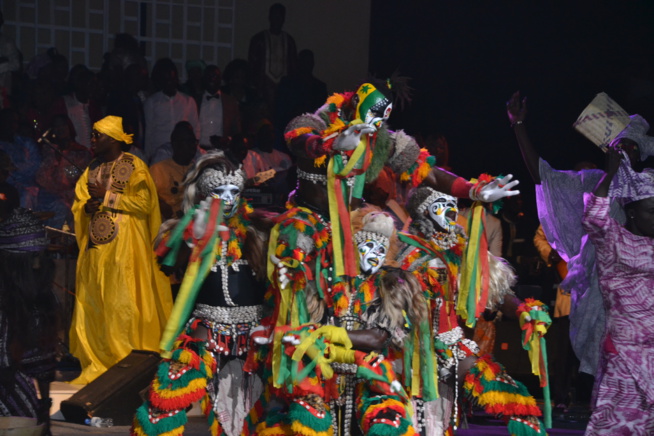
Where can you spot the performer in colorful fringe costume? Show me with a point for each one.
(313, 257)
(336, 353)
(207, 337)
(440, 255)
(346, 144)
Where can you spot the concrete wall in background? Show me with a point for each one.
(338, 32)
(215, 30)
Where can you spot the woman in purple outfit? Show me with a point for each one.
(624, 387)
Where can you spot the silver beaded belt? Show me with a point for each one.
(229, 315)
(319, 178)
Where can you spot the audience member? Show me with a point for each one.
(9, 197)
(194, 85)
(126, 102)
(238, 84)
(64, 161)
(81, 108)
(272, 55)
(168, 174)
(298, 93)
(166, 107)
(270, 158)
(122, 300)
(219, 113)
(25, 156)
(9, 59)
(28, 315)
(44, 104)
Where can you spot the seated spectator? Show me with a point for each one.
(271, 158)
(166, 107)
(64, 161)
(219, 113)
(24, 155)
(169, 174)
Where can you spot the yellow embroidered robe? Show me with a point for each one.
(122, 298)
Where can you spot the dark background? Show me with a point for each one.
(466, 58)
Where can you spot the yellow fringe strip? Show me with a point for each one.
(193, 386)
(299, 428)
(277, 430)
(503, 398)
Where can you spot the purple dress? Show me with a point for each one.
(625, 379)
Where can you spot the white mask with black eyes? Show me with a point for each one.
(443, 211)
(230, 195)
(372, 255)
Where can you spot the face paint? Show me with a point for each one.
(372, 255)
(374, 107)
(230, 195)
(443, 211)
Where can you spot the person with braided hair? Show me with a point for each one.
(218, 250)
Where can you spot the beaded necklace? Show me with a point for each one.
(228, 248)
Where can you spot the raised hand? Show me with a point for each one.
(498, 188)
(350, 137)
(614, 156)
(516, 109)
(201, 217)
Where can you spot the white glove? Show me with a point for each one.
(349, 139)
(282, 277)
(200, 218)
(498, 188)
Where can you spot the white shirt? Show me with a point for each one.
(78, 113)
(211, 118)
(161, 115)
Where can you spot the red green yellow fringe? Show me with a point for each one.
(488, 385)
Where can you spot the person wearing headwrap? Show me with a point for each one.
(28, 327)
(624, 387)
(559, 196)
(122, 300)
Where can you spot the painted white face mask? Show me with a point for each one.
(376, 119)
(443, 211)
(230, 195)
(372, 255)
